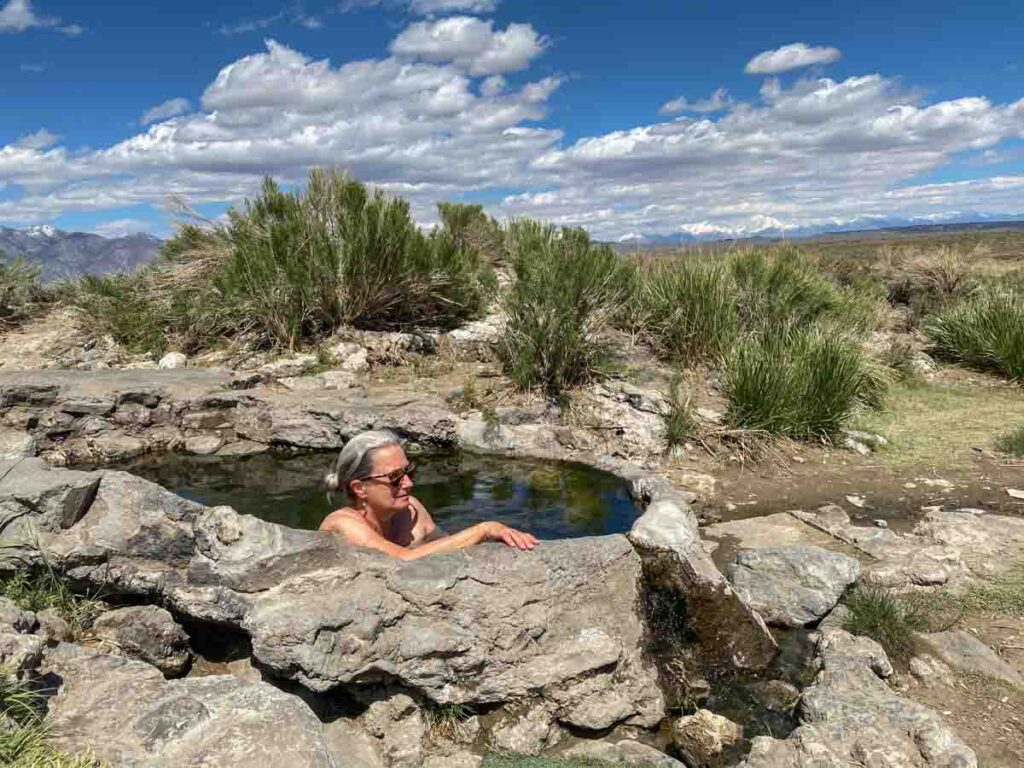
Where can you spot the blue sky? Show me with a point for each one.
(649, 117)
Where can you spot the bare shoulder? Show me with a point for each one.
(342, 520)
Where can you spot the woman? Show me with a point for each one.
(373, 469)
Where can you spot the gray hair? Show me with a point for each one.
(356, 458)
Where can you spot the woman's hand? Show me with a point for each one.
(500, 532)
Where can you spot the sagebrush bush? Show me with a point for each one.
(985, 332)
(800, 383)
(473, 230)
(290, 267)
(566, 291)
(20, 291)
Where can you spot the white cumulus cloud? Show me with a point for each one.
(716, 102)
(471, 43)
(41, 139)
(789, 57)
(122, 227)
(165, 110)
(19, 15)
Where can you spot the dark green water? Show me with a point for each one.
(552, 500)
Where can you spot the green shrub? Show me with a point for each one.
(985, 332)
(290, 267)
(889, 620)
(566, 291)
(20, 291)
(799, 383)
(473, 230)
(688, 309)
(900, 356)
(1012, 442)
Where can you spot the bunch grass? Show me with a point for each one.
(985, 332)
(888, 619)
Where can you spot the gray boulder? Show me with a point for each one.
(126, 714)
(147, 633)
(792, 586)
(13, 618)
(667, 538)
(966, 653)
(20, 652)
(850, 716)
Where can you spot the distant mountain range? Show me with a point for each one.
(62, 254)
(768, 229)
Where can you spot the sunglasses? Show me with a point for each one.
(395, 476)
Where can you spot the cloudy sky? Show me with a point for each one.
(660, 118)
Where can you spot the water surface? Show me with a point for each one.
(550, 499)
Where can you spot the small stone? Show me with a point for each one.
(928, 670)
(879, 523)
(857, 501)
(53, 628)
(856, 446)
(1015, 493)
(289, 366)
(203, 445)
(703, 738)
(172, 360)
(776, 695)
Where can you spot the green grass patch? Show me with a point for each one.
(680, 419)
(289, 268)
(934, 425)
(1011, 442)
(1002, 595)
(44, 590)
(985, 332)
(890, 620)
(25, 736)
(565, 293)
(803, 384)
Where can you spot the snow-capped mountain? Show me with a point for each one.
(62, 254)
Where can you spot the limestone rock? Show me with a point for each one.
(622, 752)
(172, 360)
(20, 652)
(351, 745)
(666, 535)
(53, 628)
(15, 444)
(127, 714)
(563, 623)
(850, 716)
(928, 670)
(400, 728)
(705, 739)
(524, 730)
(792, 586)
(147, 633)
(776, 695)
(13, 618)
(203, 445)
(966, 653)
(289, 366)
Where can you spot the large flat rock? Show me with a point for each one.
(125, 714)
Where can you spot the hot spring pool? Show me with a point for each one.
(552, 500)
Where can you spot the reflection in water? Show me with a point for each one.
(549, 499)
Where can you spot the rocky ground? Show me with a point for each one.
(435, 662)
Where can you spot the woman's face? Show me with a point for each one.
(379, 493)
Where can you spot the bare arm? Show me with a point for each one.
(362, 535)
